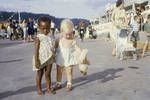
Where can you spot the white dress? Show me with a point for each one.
(120, 34)
(119, 23)
(66, 56)
(45, 51)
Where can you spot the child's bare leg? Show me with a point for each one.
(59, 73)
(144, 49)
(58, 77)
(39, 75)
(69, 71)
(48, 79)
(114, 51)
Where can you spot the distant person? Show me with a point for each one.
(15, 33)
(43, 55)
(91, 32)
(81, 30)
(53, 27)
(139, 12)
(119, 21)
(3, 30)
(145, 13)
(30, 27)
(24, 27)
(35, 28)
(90, 29)
(135, 25)
(147, 31)
(9, 31)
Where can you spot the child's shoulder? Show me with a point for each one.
(39, 35)
(66, 41)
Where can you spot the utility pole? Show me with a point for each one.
(19, 17)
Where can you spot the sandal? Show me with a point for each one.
(51, 91)
(69, 88)
(57, 87)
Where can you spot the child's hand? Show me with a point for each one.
(37, 64)
(83, 56)
(85, 61)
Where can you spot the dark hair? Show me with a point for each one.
(119, 2)
(142, 8)
(44, 19)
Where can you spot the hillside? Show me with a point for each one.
(4, 16)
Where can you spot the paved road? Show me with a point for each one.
(8, 43)
(107, 79)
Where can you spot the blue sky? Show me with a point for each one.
(58, 8)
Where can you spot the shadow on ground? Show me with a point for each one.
(10, 61)
(106, 75)
(133, 67)
(19, 91)
(3, 45)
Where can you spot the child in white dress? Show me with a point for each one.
(66, 54)
(43, 55)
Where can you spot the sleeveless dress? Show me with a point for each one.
(121, 34)
(119, 23)
(45, 51)
(66, 56)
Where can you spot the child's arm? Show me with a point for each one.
(36, 53)
(82, 54)
(56, 43)
(113, 18)
(77, 47)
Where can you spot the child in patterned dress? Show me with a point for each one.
(43, 55)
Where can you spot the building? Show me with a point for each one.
(133, 4)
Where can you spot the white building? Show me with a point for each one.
(102, 23)
(131, 4)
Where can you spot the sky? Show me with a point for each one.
(58, 8)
